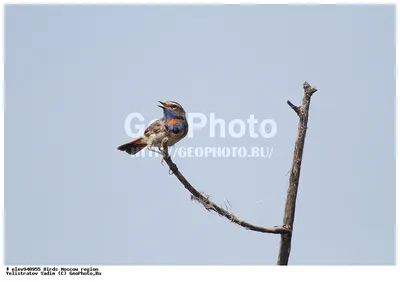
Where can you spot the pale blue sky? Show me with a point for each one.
(73, 74)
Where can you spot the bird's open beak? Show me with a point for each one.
(162, 105)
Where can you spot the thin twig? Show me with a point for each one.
(290, 207)
(295, 108)
(210, 206)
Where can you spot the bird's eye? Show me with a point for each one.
(173, 107)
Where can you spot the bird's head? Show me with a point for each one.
(172, 109)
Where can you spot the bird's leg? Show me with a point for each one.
(150, 149)
(164, 148)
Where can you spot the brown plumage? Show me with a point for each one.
(172, 126)
(133, 147)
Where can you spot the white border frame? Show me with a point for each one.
(216, 273)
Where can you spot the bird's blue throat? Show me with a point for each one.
(172, 122)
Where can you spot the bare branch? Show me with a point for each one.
(210, 206)
(290, 207)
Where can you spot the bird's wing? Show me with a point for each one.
(154, 128)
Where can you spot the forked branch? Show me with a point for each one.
(290, 207)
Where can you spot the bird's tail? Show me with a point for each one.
(133, 147)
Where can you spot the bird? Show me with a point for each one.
(172, 128)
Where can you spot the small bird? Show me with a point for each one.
(173, 126)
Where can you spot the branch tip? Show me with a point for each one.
(308, 89)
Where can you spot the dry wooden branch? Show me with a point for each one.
(288, 220)
(210, 206)
(290, 207)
